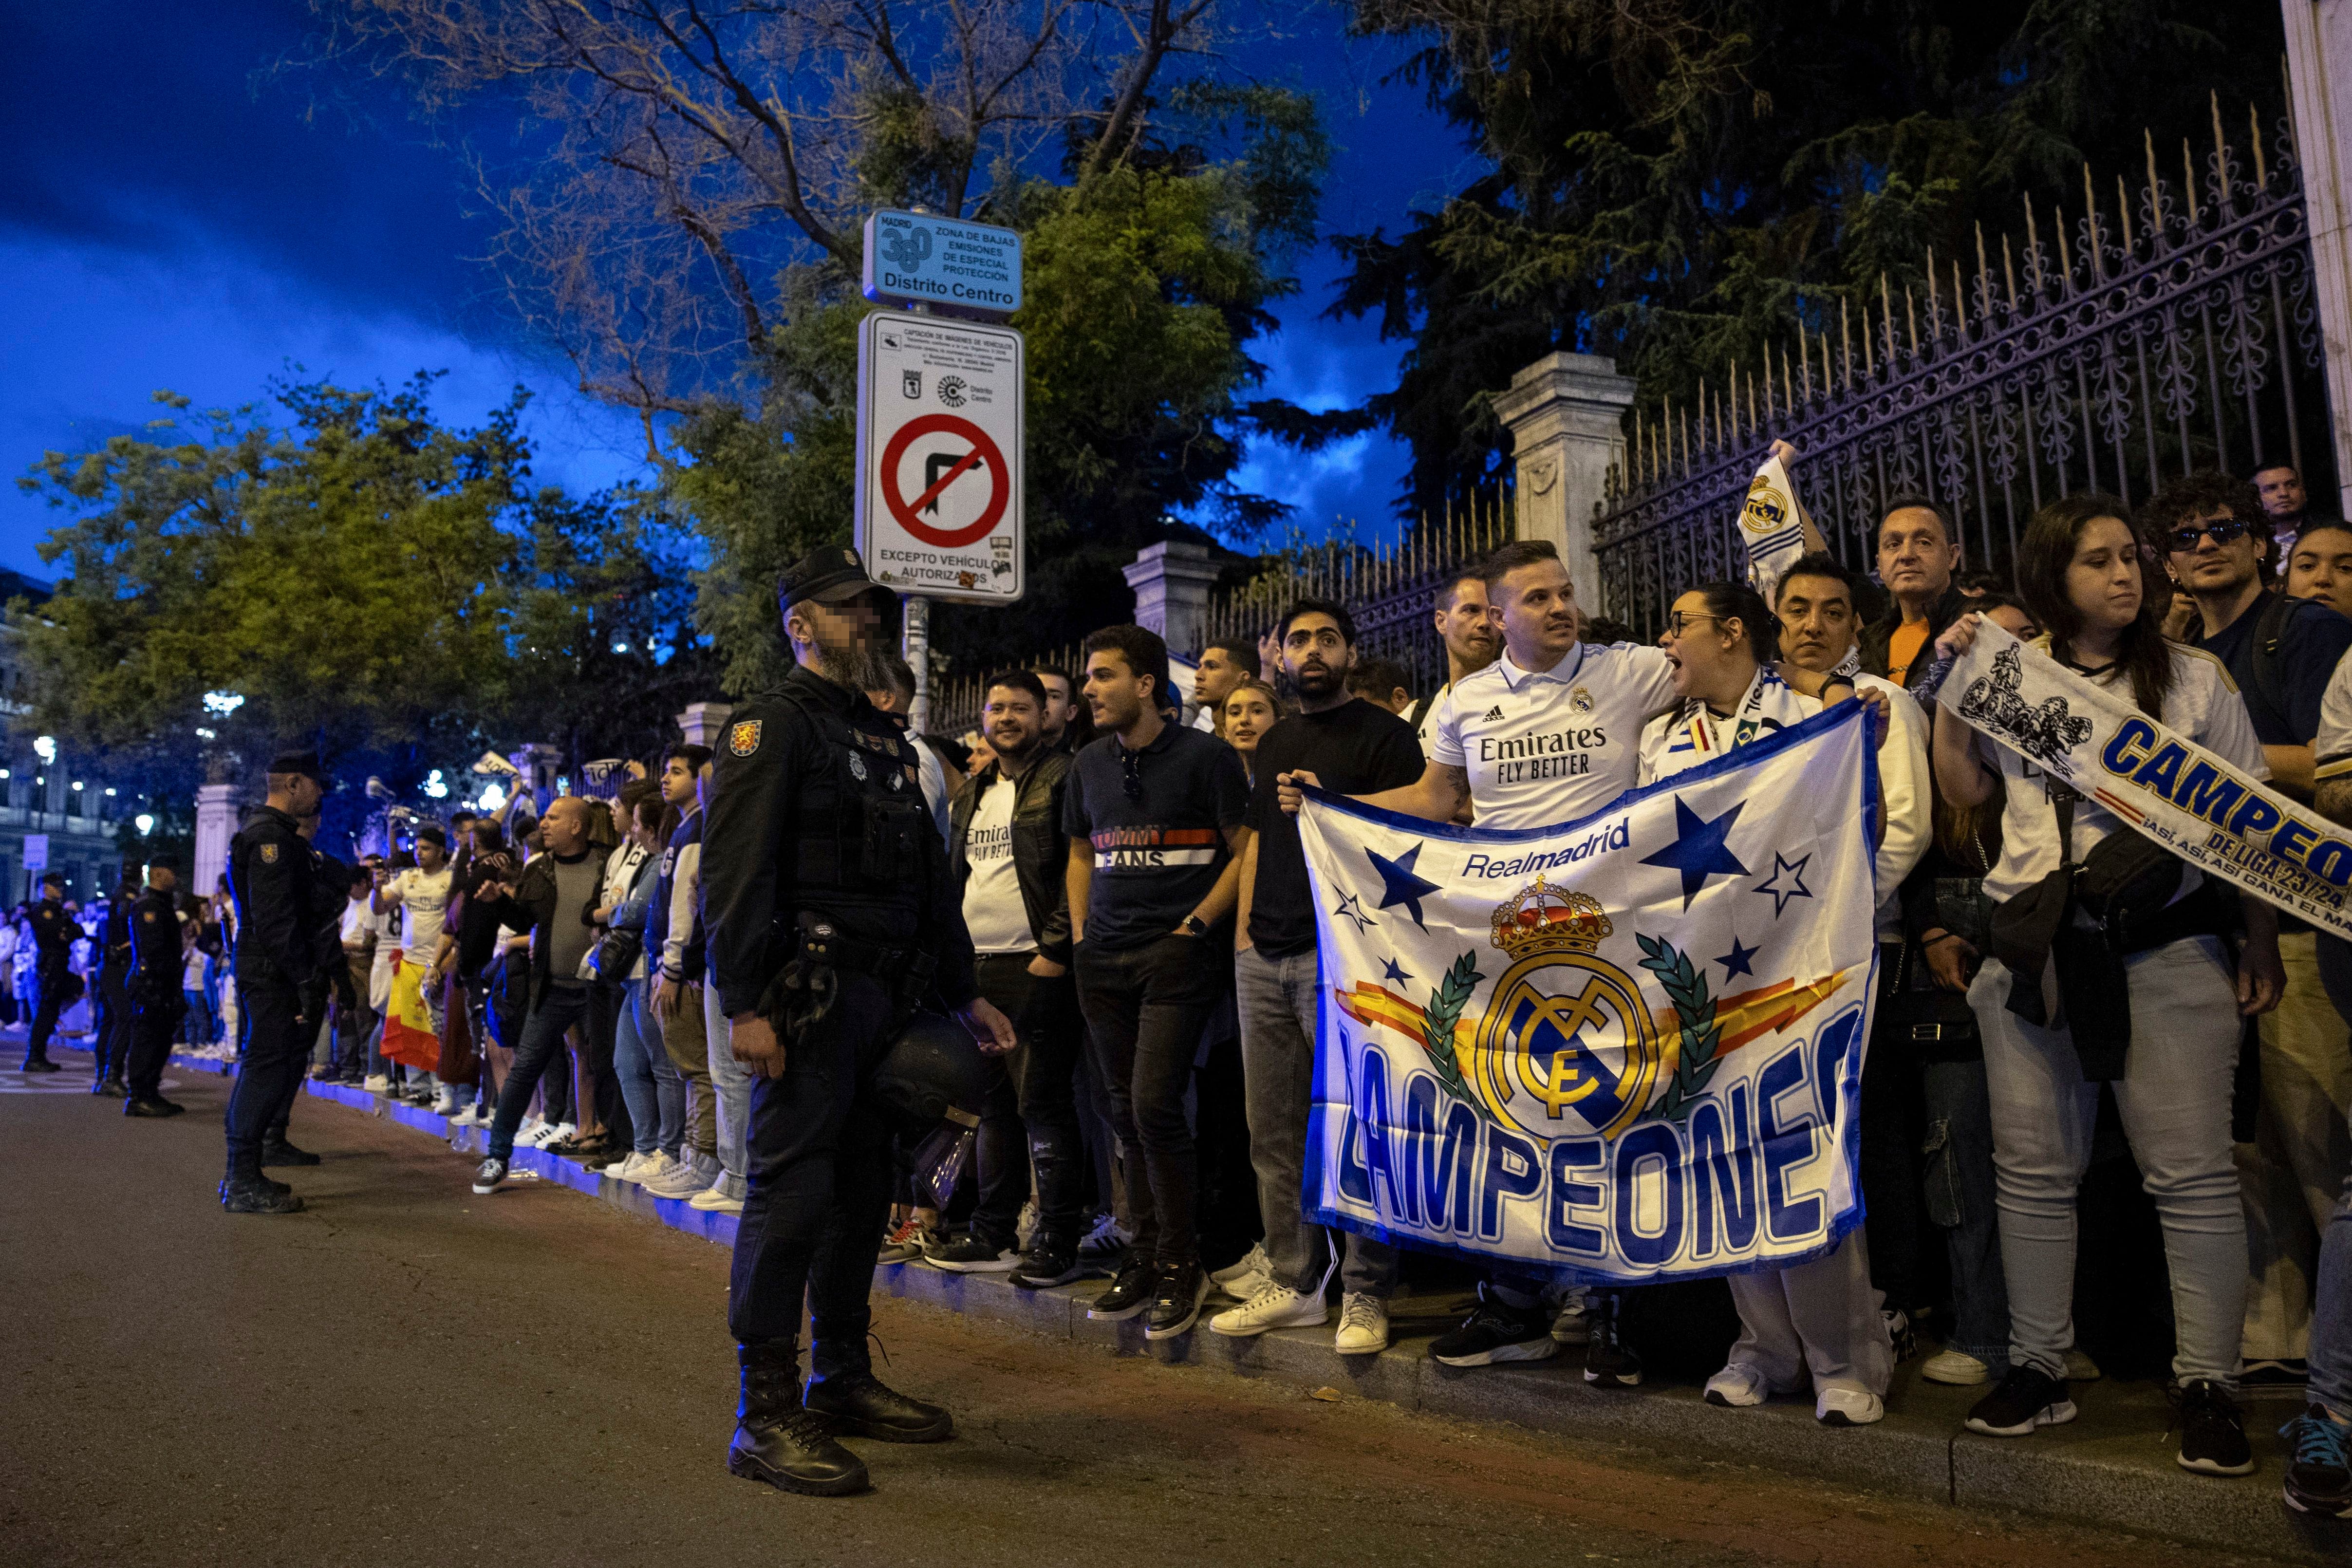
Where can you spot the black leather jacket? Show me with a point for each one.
(1041, 850)
(1878, 636)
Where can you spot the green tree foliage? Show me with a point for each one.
(389, 589)
(1674, 183)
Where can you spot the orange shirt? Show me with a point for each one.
(1904, 650)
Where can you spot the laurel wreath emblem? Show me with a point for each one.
(1685, 987)
(1445, 1007)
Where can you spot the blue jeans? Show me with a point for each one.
(1963, 1200)
(560, 1007)
(2331, 1313)
(650, 1085)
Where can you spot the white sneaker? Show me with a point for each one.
(627, 1168)
(1848, 1407)
(471, 1116)
(445, 1102)
(1958, 1368)
(677, 1181)
(1244, 1280)
(547, 1133)
(379, 1084)
(1271, 1306)
(712, 1201)
(1363, 1325)
(1737, 1386)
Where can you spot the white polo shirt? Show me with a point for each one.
(1547, 747)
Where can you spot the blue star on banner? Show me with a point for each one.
(1697, 851)
(1349, 909)
(1400, 884)
(1390, 972)
(1796, 888)
(1737, 961)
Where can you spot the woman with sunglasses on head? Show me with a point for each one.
(2088, 584)
(1820, 1317)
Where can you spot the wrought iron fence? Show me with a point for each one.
(2172, 331)
(956, 700)
(1389, 591)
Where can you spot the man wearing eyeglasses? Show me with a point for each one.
(2280, 651)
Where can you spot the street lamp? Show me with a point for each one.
(144, 822)
(45, 748)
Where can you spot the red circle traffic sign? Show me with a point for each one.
(999, 480)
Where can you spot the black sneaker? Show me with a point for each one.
(257, 1197)
(40, 1064)
(968, 1255)
(1128, 1294)
(2319, 1468)
(158, 1106)
(2212, 1433)
(489, 1176)
(1177, 1301)
(1496, 1330)
(1609, 1360)
(2028, 1398)
(1047, 1264)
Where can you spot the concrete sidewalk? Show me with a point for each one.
(2113, 1468)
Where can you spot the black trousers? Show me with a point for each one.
(111, 1022)
(151, 1025)
(276, 1047)
(1894, 1129)
(1031, 1117)
(54, 984)
(821, 1150)
(1146, 1008)
(600, 1025)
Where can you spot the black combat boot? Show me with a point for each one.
(843, 1389)
(251, 1191)
(278, 1151)
(776, 1439)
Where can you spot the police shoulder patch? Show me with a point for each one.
(743, 738)
(269, 854)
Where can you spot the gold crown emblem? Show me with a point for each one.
(1550, 919)
(1765, 507)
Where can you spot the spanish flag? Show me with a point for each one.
(409, 1036)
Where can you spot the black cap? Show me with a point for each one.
(304, 763)
(834, 576)
(53, 879)
(434, 831)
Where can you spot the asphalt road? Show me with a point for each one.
(409, 1374)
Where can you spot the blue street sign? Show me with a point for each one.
(938, 261)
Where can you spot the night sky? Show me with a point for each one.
(170, 218)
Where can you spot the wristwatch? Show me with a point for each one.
(1194, 925)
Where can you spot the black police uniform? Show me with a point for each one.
(157, 1002)
(110, 1003)
(54, 933)
(829, 910)
(328, 972)
(270, 876)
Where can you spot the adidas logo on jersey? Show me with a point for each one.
(1493, 712)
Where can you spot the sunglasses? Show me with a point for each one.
(2226, 531)
(1132, 762)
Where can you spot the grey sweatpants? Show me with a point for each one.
(1820, 1317)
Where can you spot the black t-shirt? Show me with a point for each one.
(1156, 856)
(1357, 748)
(2312, 640)
(477, 927)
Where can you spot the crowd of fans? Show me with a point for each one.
(1139, 901)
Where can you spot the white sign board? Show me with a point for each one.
(938, 457)
(37, 852)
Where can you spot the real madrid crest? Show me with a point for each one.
(1580, 699)
(1767, 509)
(1567, 1048)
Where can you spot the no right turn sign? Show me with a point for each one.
(938, 457)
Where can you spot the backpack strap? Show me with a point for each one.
(2268, 663)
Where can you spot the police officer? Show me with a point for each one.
(830, 914)
(155, 1001)
(327, 875)
(54, 932)
(110, 1003)
(270, 874)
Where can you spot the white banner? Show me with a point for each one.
(1627, 1048)
(2173, 789)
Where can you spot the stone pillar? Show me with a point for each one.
(2319, 81)
(1566, 415)
(703, 724)
(216, 808)
(1172, 585)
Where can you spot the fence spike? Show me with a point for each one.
(2254, 134)
(1686, 447)
(2066, 261)
(1984, 278)
(1805, 361)
(2091, 226)
(1753, 427)
(2123, 205)
(1911, 320)
(1959, 304)
(2189, 177)
(1846, 328)
(1935, 301)
(2008, 271)
(2220, 155)
(1886, 317)
(2033, 249)
(2154, 188)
